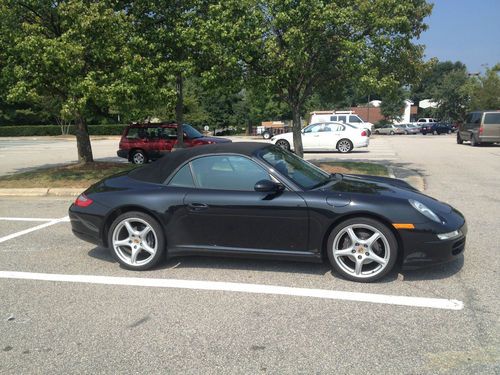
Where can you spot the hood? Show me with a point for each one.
(386, 188)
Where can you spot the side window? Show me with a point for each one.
(338, 128)
(183, 178)
(169, 133)
(492, 118)
(476, 118)
(342, 118)
(354, 119)
(133, 133)
(315, 128)
(468, 118)
(227, 173)
(333, 118)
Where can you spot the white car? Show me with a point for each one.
(326, 136)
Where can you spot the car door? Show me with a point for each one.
(330, 136)
(224, 213)
(491, 126)
(311, 136)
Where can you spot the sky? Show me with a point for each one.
(464, 30)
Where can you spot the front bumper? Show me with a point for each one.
(423, 248)
(122, 154)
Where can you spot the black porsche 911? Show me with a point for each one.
(258, 200)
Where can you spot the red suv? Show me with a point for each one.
(141, 143)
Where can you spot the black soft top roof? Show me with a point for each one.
(158, 171)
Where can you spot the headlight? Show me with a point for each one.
(424, 210)
(449, 235)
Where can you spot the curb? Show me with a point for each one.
(41, 192)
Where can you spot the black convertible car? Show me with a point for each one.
(258, 200)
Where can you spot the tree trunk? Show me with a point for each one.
(249, 128)
(179, 111)
(83, 142)
(297, 131)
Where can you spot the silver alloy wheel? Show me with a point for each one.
(138, 158)
(344, 145)
(135, 241)
(266, 135)
(363, 254)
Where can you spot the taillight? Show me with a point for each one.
(481, 129)
(363, 133)
(83, 201)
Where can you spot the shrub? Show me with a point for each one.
(44, 130)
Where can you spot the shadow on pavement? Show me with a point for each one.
(102, 253)
(437, 272)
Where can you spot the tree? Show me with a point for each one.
(485, 91)
(77, 54)
(452, 95)
(300, 46)
(393, 102)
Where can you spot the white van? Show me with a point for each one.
(341, 116)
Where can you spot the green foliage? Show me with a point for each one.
(53, 130)
(393, 102)
(485, 91)
(452, 95)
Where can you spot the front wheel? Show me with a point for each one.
(266, 135)
(344, 146)
(377, 132)
(362, 249)
(136, 241)
(283, 144)
(391, 133)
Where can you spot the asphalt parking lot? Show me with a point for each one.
(159, 322)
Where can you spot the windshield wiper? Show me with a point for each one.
(334, 177)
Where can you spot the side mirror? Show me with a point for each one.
(268, 186)
(303, 131)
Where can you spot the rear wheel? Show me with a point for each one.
(344, 146)
(136, 241)
(377, 132)
(362, 249)
(473, 141)
(139, 157)
(266, 135)
(392, 132)
(284, 144)
(435, 132)
(459, 139)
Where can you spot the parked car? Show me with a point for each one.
(480, 127)
(426, 120)
(142, 143)
(389, 129)
(409, 128)
(326, 136)
(436, 128)
(257, 200)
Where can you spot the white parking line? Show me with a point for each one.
(38, 227)
(437, 303)
(25, 219)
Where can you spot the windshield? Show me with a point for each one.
(191, 132)
(301, 172)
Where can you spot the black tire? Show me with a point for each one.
(344, 146)
(392, 132)
(266, 135)
(473, 141)
(448, 131)
(138, 157)
(377, 132)
(386, 249)
(459, 139)
(154, 238)
(435, 132)
(283, 143)
(406, 132)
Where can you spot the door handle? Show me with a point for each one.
(197, 206)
